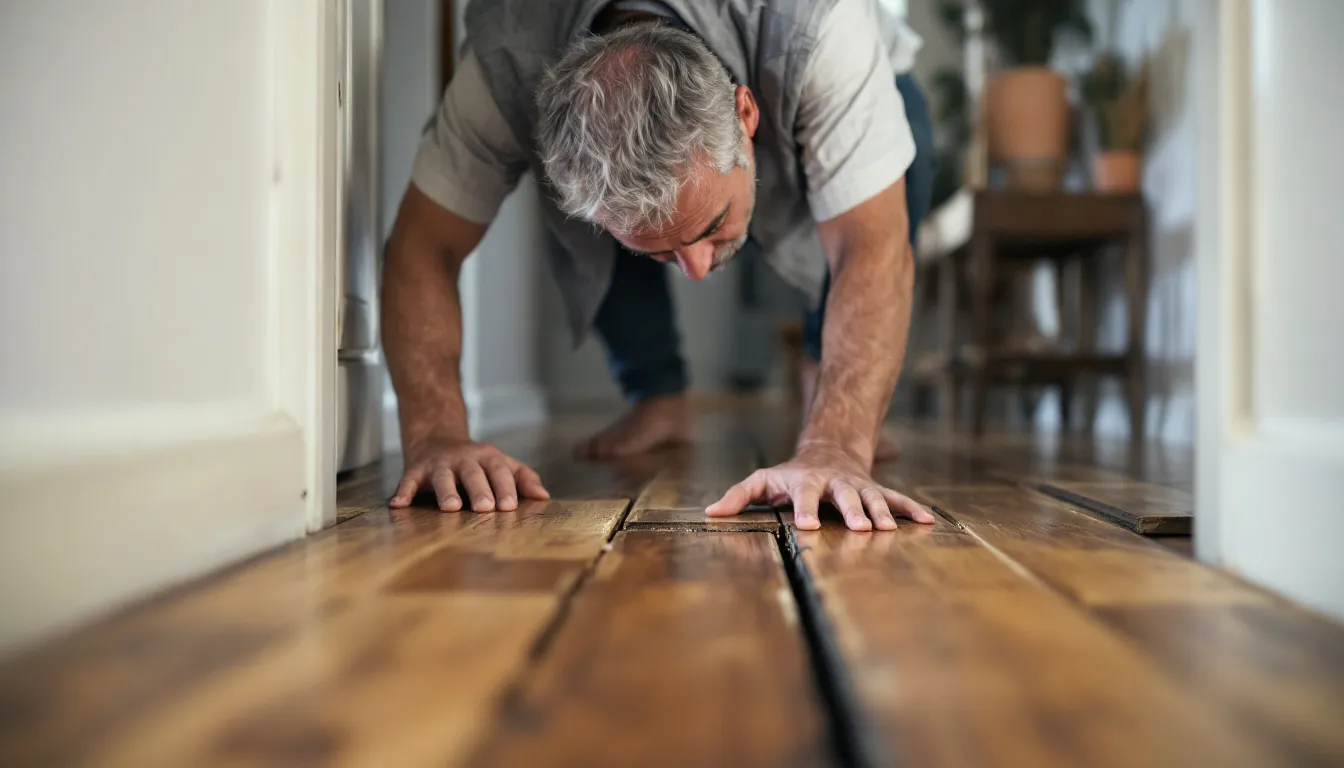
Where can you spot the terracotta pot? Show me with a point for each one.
(1117, 171)
(1027, 116)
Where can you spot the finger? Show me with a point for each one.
(739, 496)
(529, 483)
(847, 500)
(477, 487)
(445, 487)
(903, 506)
(806, 499)
(407, 488)
(877, 509)
(501, 479)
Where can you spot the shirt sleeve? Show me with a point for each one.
(851, 126)
(469, 160)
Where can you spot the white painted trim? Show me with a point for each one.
(492, 410)
(1209, 34)
(1267, 484)
(308, 64)
(137, 501)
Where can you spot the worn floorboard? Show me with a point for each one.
(958, 658)
(1277, 669)
(617, 625)
(1141, 507)
(276, 662)
(684, 648)
(695, 477)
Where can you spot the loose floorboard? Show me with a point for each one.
(684, 648)
(1140, 507)
(615, 624)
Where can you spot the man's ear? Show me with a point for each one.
(747, 111)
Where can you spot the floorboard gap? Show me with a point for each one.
(851, 737)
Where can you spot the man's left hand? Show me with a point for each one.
(821, 473)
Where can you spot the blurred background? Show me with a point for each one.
(1126, 58)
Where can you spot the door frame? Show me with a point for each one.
(1267, 483)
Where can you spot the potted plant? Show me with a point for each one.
(1026, 109)
(1119, 105)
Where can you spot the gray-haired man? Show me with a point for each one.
(684, 130)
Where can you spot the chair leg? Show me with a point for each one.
(982, 287)
(1087, 334)
(1136, 286)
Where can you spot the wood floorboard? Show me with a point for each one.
(683, 648)
(1141, 507)
(1272, 666)
(694, 478)
(617, 625)
(956, 658)
(317, 632)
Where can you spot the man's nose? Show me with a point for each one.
(696, 260)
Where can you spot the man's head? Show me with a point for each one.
(643, 133)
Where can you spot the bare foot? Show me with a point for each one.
(650, 424)
(886, 448)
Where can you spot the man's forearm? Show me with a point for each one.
(867, 324)
(422, 338)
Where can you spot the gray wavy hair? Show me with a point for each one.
(623, 116)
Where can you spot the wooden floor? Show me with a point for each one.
(1032, 625)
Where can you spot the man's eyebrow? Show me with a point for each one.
(713, 225)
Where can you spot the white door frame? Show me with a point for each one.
(1269, 479)
(308, 69)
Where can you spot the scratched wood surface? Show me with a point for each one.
(335, 650)
(684, 648)
(958, 658)
(616, 625)
(695, 477)
(1274, 668)
(1141, 507)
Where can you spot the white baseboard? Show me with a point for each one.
(109, 508)
(492, 410)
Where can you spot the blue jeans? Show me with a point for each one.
(636, 321)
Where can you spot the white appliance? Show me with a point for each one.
(360, 377)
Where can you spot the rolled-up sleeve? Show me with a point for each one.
(469, 160)
(852, 130)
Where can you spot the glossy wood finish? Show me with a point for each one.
(682, 649)
(1140, 507)
(1271, 667)
(958, 658)
(336, 649)
(616, 625)
(695, 477)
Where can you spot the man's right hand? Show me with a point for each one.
(492, 479)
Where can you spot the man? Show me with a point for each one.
(668, 132)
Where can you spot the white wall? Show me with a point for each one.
(159, 244)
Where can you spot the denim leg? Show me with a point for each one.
(918, 195)
(638, 327)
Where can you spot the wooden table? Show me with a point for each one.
(1059, 226)
(1014, 229)
(615, 625)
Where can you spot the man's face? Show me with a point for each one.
(710, 225)
(713, 211)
